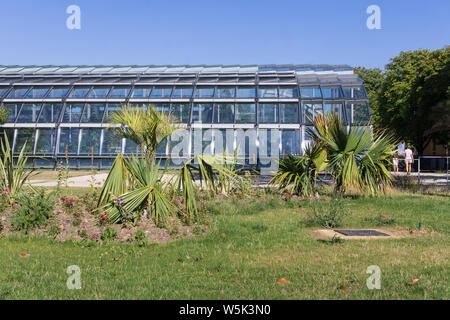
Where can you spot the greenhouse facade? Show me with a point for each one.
(62, 112)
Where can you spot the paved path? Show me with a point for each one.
(81, 181)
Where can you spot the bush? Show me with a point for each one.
(4, 115)
(108, 234)
(33, 210)
(140, 238)
(329, 214)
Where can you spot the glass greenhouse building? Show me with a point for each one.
(64, 110)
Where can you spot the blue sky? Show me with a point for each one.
(218, 32)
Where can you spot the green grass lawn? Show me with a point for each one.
(251, 245)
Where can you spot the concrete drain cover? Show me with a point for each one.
(362, 233)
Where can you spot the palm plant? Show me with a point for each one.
(357, 158)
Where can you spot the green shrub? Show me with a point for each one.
(33, 210)
(109, 234)
(140, 238)
(1, 227)
(329, 214)
(4, 115)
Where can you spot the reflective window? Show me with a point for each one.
(68, 139)
(25, 136)
(332, 93)
(266, 92)
(246, 92)
(182, 93)
(93, 113)
(245, 113)
(3, 91)
(226, 92)
(333, 108)
(119, 92)
(361, 113)
(354, 92)
(46, 141)
(161, 148)
(29, 113)
(310, 111)
(288, 92)
(161, 92)
(72, 112)
(99, 93)
(290, 142)
(202, 113)
(79, 93)
(162, 107)
(132, 147)
(141, 92)
(112, 107)
(289, 113)
(267, 113)
(181, 112)
(17, 93)
(13, 111)
(90, 141)
(204, 92)
(58, 92)
(50, 112)
(310, 92)
(37, 93)
(224, 113)
(112, 144)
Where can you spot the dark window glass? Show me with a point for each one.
(246, 92)
(267, 113)
(93, 113)
(288, 92)
(161, 148)
(46, 141)
(25, 135)
(50, 113)
(57, 93)
(90, 141)
(72, 113)
(354, 92)
(3, 91)
(202, 113)
(224, 113)
(161, 92)
(68, 139)
(289, 113)
(332, 93)
(361, 113)
(182, 93)
(13, 111)
(310, 92)
(226, 92)
(333, 108)
(310, 111)
(112, 107)
(162, 107)
(17, 93)
(245, 113)
(141, 92)
(266, 92)
(181, 112)
(37, 93)
(204, 93)
(99, 93)
(29, 113)
(118, 93)
(290, 142)
(132, 147)
(79, 93)
(112, 144)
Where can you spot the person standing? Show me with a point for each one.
(409, 158)
(395, 163)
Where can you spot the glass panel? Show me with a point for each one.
(332, 93)
(93, 113)
(141, 92)
(56, 93)
(37, 93)
(13, 111)
(112, 144)
(132, 147)
(117, 93)
(310, 111)
(17, 93)
(289, 113)
(310, 92)
(246, 92)
(202, 113)
(354, 92)
(72, 113)
(204, 93)
(46, 141)
(181, 112)
(333, 108)
(79, 93)
(50, 113)
(286, 93)
(267, 113)
(90, 138)
(162, 107)
(29, 113)
(226, 92)
(99, 93)
(361, 113)
(265, 92)
(224, 113)
(245, 113)
(68, 138)
(161, 92)
(25, 135)
(161, 148)
(110, 110)
(348, 113)
(290, 142)
(182, 93)
(9, 134)
(3, 91)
